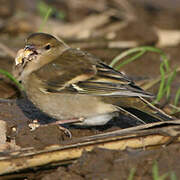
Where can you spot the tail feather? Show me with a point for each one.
(153, 111)
(137, 105)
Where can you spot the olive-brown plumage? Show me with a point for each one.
(70, 84)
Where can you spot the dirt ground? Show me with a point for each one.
(109, 164)
(143, 22)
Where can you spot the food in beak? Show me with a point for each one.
(21, 55)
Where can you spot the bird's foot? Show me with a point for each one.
(66, 131)
(35, 124)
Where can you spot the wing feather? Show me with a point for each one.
(79, 72)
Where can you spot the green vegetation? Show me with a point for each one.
(165, 85)
(177, 97)
(46, 17)
(43, 9)
(46, 12)
(132, 173)
(155, 173)
(136, 53)
(167, 75)
(10, 76)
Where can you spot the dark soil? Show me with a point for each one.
(113, 165)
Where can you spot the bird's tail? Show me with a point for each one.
(146, 107)
(141, 108)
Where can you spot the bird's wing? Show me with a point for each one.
(79, 72)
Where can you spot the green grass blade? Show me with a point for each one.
(132, 173)
(169, 82)
(155, 171)
(124, 54)
(164, 176)
(130, 60)
(166, 63)
(45, 19)
(162, 84)
(10, 76)
(173, 176)
(141, 49)
(177, 97)
(165, 86)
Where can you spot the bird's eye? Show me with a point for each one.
(47, 47)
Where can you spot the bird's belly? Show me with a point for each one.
(97, 120)
(70, 106)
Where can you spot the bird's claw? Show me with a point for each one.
(66, 131)
(35, 124)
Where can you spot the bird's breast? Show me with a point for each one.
(63, 105)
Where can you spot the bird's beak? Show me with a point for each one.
(24, 53)
(29, 48)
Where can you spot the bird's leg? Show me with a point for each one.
(35, 124)
(66, 131)
(67, 121)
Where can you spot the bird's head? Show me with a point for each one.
(40, 49)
